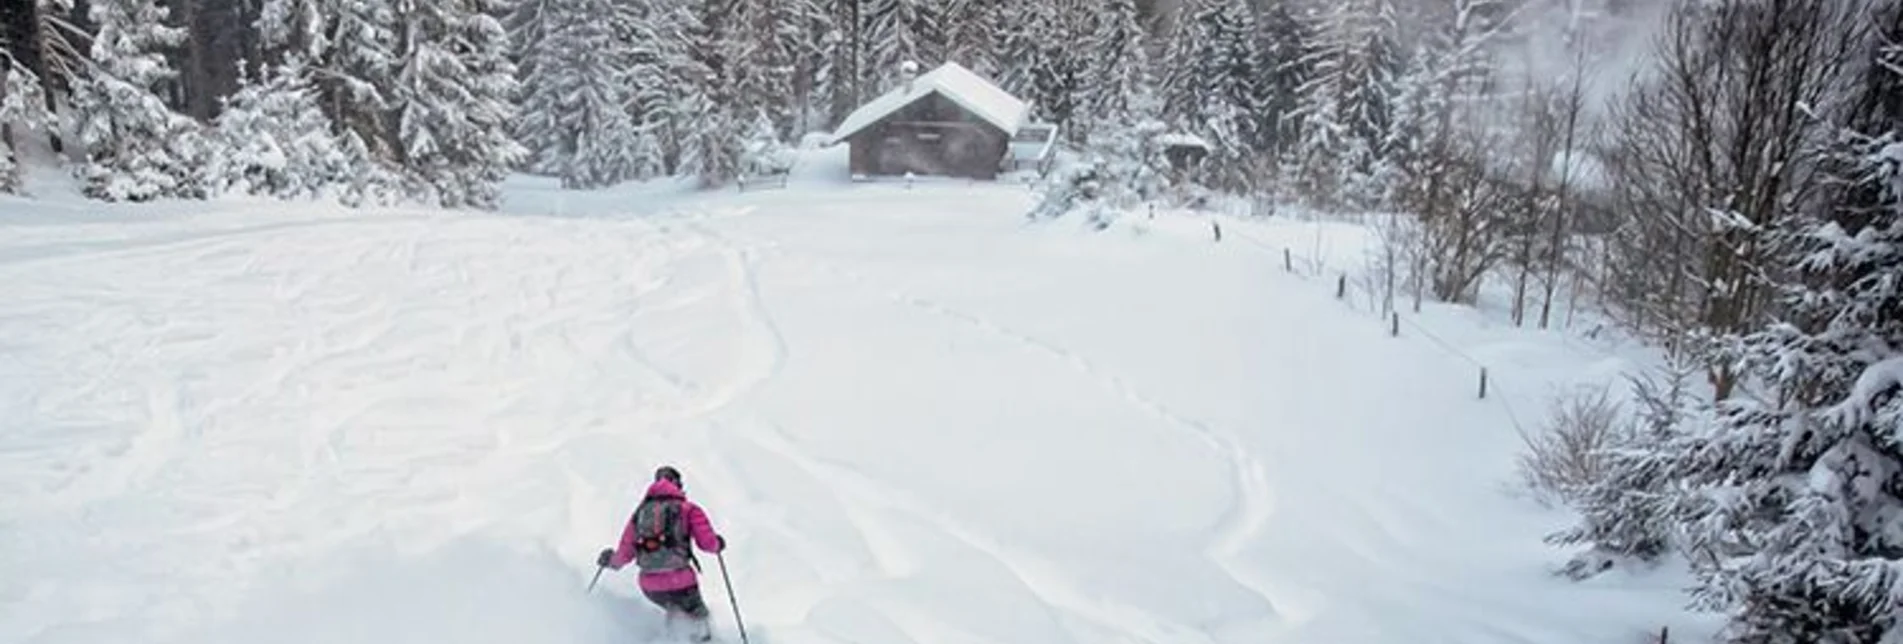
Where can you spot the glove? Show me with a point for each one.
(605, 558)
(720, 541)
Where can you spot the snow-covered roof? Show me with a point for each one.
(1037, 145)
(954, 82)
(1183, 139)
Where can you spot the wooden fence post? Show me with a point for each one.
(1483, 383)
(1394, 328)
(1341, 286)
(1288, 260)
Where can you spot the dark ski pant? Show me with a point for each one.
(685, 601)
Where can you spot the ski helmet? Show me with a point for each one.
(669, 474)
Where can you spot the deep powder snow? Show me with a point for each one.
(916, 418)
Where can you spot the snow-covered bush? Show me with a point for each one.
(276, 140)
(1121, 170)
(1569, 453)
(1625, 504)
(763, 154)
(1078, 189)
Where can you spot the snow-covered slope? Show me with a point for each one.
(916, 418)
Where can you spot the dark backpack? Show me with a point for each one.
(661, 542)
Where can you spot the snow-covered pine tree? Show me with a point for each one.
(529, 25)
(1240, 73)
(815, 59)
(22, 112)
(1120, 72)
(1216, 84)
(1123, 166)
(1451, 70)
(802, 28)
(1040, 62)
(1795, 516)
(656, 34)
(902, 30)
(357, 60)
(296, 29)
(451, 97)
(136, 147)
(276, 141)
(763, 39)
(838, 84)
(1345, 113)
(974, 34)
(343, 51)
(1021, 46)
(1285, 44)
(575, 118)
(710, 146)
(1178, 84)
(703, 107)
(1443, 146)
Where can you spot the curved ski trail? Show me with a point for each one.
(1246, 518)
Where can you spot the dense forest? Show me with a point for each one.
(434, 101)
(1720, 176)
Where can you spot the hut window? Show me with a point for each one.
(928, 135)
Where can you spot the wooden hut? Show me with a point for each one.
(947, 122)
(1183, 149)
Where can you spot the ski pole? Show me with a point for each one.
(591, 582)
(737, 622)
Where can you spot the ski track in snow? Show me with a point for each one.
(1036, 574)
(1042, 577)
(361, 339)
(745, 269)
(1246, 519)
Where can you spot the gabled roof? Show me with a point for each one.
(954, 82)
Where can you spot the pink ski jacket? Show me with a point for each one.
(698, 526)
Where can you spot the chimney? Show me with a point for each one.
(908, 71)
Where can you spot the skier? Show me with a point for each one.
(657, 541)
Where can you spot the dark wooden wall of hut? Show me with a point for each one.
(932, 136)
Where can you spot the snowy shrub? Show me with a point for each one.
(764, 154)
(1073, 189)
(1626, 504)
(1123, 170)
(277, 141)
(1569, 454)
